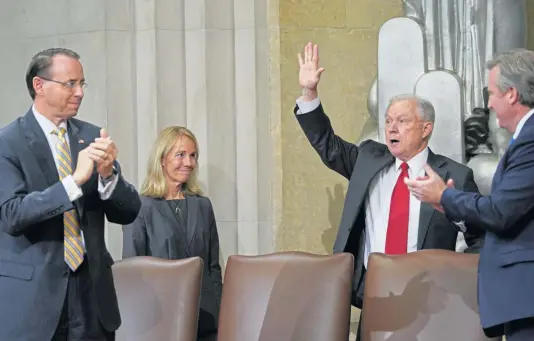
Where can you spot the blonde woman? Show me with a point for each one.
(176, 221)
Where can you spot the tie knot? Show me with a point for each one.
(404, 167)
(60, 132)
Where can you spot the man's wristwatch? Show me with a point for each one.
(114, 172)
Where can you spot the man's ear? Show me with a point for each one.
(512, 95)
(37, 85)
(428, 127)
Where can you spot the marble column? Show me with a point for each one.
(154, 63)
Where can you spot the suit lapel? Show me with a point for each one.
(500, 169)
(76, 143)
(359, 184)
(168, 214)
(192, 215)
(40, 148)
(426, 210)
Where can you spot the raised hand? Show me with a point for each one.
(310, 72)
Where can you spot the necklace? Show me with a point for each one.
(175, 206)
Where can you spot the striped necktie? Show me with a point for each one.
(71, 231)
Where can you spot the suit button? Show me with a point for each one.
(66, 273)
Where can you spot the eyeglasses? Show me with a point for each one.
(69, 85)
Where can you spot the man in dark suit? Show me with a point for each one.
(379, 214)
(506, 267)
(59, 181)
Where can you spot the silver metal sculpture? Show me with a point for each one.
(451, 40)
(438, 50)
(461, 35)
(370, 128)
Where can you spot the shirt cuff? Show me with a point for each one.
(73, 190)
(461, 225)
(306, 107)
(107, 186)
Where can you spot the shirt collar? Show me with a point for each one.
(416, 163)
(521, 123)
(46, 125)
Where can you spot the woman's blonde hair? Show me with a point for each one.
(155, 185)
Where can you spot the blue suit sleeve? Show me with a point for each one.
(19, 209)
(509, 201)
(124, 204)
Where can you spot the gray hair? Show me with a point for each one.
(516, 70)
(40, 65)
(424, 107)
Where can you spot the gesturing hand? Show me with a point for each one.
(310, 73)
(104, 152)
(450, 184)
(429, 189)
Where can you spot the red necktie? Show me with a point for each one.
(397, 235)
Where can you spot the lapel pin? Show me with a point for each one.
(81, 141)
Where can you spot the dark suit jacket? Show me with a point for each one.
(506, 267)
(155, 233)
(33, 273)
(360, 164)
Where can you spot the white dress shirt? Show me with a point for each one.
(378, 199)
(105, 188)
(378, 202)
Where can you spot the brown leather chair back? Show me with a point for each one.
(158, 298)
(286, 296)
(429, 295)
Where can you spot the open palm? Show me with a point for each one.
(310, 73)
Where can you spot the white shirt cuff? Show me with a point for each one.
(106, 188)
(72, 189)
(306, 107)
(460, 225)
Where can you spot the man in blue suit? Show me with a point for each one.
(506, 267)
(59, 181)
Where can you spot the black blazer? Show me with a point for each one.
(154, 233)
(360, 164)
(32, 202)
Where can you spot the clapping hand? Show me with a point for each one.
(84, 167)
(104, 152)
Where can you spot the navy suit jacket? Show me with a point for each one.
(33, 273)
(506, 268)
